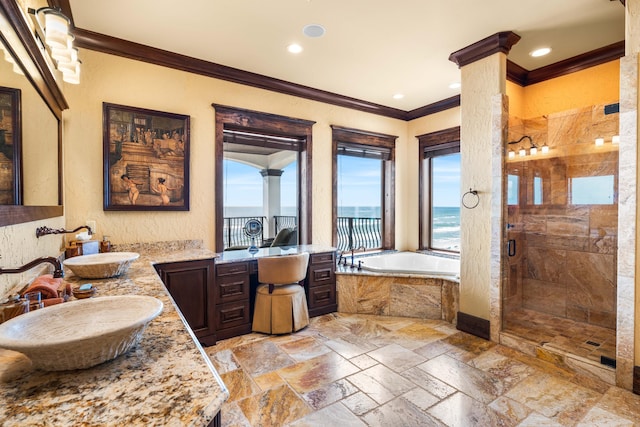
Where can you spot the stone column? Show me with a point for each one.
(270, 198)
(484, 119)
(628, 333)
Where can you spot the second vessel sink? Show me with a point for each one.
(101, 266)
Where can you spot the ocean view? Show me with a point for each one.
(446, 228)
(446, 220)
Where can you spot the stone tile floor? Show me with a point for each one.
(362, 370)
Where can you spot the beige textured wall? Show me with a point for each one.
(117, 80)
(594, 85)
(481, 82)
(19, 245)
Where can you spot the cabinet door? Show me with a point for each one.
(191, 285)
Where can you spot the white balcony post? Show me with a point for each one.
(270, 198)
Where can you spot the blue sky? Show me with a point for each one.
(244, 185)
(446, 171)
(358, 183)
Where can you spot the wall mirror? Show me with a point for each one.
(23, 67)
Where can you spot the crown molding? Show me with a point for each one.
(609, 53)
(115, 46)
(498, 42)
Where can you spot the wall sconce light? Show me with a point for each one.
(522, 151)
(599, 142)
(615, 139)
(52, 29)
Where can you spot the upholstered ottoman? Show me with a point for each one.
(281, 312)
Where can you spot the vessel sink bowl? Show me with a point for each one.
(101, 266)
(80, 334)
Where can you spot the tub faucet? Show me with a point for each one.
(354, 250)
(44, 230)
(58, 272)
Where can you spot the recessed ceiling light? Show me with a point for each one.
(455, 85)
(294, 48)
(313, 30)
(540, 52)
(398, 96)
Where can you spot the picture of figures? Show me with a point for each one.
(146, 159)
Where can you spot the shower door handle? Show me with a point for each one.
(511, 247)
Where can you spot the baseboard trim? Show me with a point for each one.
(474, 325)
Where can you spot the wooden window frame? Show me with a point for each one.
(372, 139)
(440, 143)
(273, 124)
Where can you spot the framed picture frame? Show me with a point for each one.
(146, 159)
(10, 146)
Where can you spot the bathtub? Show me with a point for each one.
(412, 263)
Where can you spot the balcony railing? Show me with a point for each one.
(233, 232)
(354, 232)
(285, 221)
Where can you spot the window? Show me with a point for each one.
(513, 189)
(268, 157)
(440, 190)
(260, 182)
(592, 190)
(363, 202)
(537, 190)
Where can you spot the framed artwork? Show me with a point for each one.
(10, 147)
(146, 159)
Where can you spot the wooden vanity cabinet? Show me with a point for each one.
(321, 284)
(234, 284)
(192, 286)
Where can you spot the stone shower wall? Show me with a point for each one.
(565, 262)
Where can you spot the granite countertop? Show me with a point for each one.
(165, 380)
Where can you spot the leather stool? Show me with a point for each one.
(281, 304)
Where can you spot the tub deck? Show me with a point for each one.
(403, 295)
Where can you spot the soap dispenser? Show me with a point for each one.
(105, 245)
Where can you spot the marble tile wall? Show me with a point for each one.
(419, 297)
(565, 263)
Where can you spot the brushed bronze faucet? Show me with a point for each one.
(58, 272)
(44, 230)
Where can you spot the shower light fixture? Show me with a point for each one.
(522, 151)
(615, 140)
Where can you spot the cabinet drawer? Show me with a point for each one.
(319, 276)
(328, 257)
(232, 288)
(232, 268)
(232, 314)
(322, 295)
